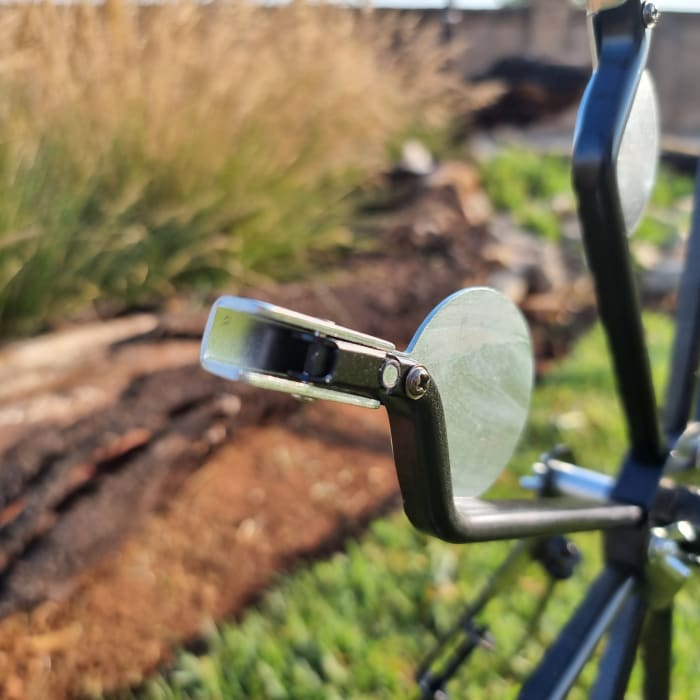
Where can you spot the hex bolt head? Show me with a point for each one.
(417, 382)
(650, 14)
(389, 374)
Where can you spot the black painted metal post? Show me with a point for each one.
(657, 645)
(564, 660)
(686, 348)
(622, 42)
(617, 662)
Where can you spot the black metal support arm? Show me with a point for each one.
(275, 348)
(618, 659)
(564, 660)
(686, 348)
(657, 643)
(622, 42)
(420, 451)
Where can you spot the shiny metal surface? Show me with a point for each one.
(666, 571)
(232, 317)
(476, 347)
(650, 14)
(390, 374)
(638, 156)
(417, 382)
(240, 333)
(302, 390)
(565, 479)
(683, 463)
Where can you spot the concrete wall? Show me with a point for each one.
(556, 30)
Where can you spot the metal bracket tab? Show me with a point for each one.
(274, 348)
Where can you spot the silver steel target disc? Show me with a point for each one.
(476, 346)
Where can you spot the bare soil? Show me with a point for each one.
(273, 495)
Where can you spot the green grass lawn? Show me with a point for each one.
(357, 625)
(535, 188)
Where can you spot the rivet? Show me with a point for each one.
(389, 374)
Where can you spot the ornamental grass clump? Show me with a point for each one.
(151, 149)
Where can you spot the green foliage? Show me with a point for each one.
(129, 228)
(536, 190)
(153, 150)
(657, 233)
(525, 183)
(670, 187)
(358, 624)
(665, 217)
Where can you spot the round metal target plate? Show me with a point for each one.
(476, 346)
(639, 154)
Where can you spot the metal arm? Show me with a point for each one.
(475, 337)
(621, 39)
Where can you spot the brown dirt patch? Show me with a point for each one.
(278, 493)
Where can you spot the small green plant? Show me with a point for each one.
(666, 216)
(536, 190)
(526, 183)
(670, 188)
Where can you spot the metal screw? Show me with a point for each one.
(390, 373)
(650, 14)
(417, 382)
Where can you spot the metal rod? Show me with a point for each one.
(431, 683)
(686, 347)
(518, 558)
(565, 659)
(492, 520)
(657, 643)
(618, 659)
(554, 477)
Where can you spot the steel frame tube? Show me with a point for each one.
(686, 347)
(618, 659)
(657, 645)
(564, 660)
